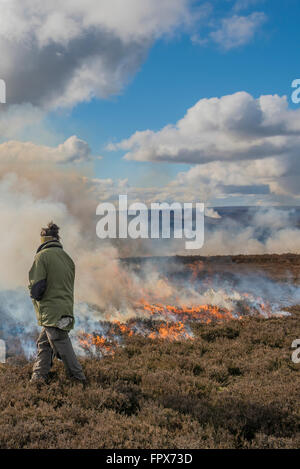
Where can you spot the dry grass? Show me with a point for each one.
(234, 386)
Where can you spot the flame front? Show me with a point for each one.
(169, 322)
(205, 313)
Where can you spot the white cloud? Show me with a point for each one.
(57, 54)
(234, 127)
(238, 144)
(238, 30)
(71, 151)
(268, 181)
(60, 53)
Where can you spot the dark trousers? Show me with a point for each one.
(56, 342)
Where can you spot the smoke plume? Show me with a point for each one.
(107, 289)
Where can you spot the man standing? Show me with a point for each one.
(51, 286)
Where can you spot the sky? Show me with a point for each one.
(166, 100)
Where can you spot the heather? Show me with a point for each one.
(233, 386)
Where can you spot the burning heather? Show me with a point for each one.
(172, 302)
(155, 300)
(171, 322)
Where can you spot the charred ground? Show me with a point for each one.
(283, 267)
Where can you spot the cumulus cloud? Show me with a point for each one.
(237, 145)
(60, 53)
(234, 141)
(232, 127)
(73, 150)
(267, 181)
(238, 30)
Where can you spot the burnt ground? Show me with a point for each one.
(283, 267)
(233, 386)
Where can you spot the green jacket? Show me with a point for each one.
(51, 284)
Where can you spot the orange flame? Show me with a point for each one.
(175, 331)
(186, 313)
(87, 341)
(168, 322)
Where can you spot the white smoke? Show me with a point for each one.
(106, 289)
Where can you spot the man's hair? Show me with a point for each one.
(51, 230)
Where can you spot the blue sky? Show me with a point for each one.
(178, 53)
(175, 75)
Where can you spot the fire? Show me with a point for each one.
(123, 328)
(171, 322)
(115, 331)
(172, 332)
(166, 322)
(100, 343)
(205, 313)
